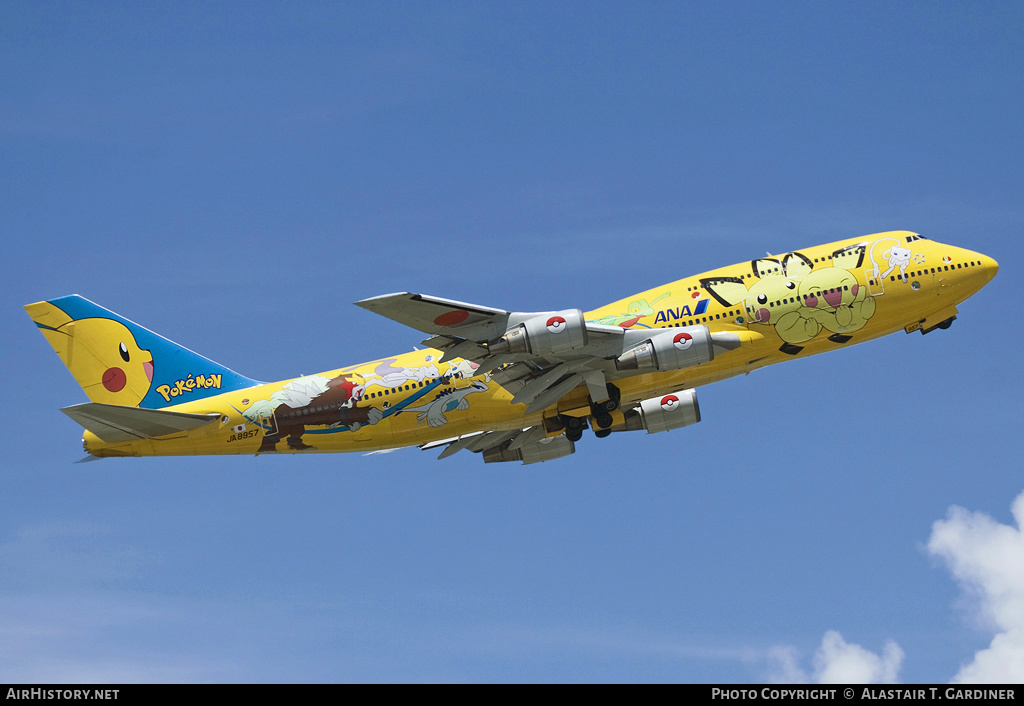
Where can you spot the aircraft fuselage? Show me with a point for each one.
(779, 307)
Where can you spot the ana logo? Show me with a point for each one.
(682, 341)
(682, 312)
(556, 324)
(669, 402)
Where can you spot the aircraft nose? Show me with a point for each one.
(990, 265)
(984, 271)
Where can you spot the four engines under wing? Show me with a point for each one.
(542, 356)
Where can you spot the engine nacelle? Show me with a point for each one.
(670, 350)
(542, 450)
(551, 333)
(672, 411)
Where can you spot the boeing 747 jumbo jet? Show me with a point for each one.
(512, 386)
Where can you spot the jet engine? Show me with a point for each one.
(670, 350)
(672, 411)
(542, 450)
(551, 333)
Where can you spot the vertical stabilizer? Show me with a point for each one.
(116, 361)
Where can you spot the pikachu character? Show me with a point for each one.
(832, 297)
(773, 298)
(101, 354)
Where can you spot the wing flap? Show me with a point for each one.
(529, 445)
(477, 441)
(114, 423)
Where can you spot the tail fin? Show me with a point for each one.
(116, 361)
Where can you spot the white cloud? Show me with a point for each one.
(987, 559)
(785, 666)
(837, 662)
(840, 662)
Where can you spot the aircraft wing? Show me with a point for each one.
(542, 356)
(435, 315)
(469, 326)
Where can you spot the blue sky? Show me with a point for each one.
(234, 175)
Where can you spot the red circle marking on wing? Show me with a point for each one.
(451, 318)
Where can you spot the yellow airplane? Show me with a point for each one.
(512, 386)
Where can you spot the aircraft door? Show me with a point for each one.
(268, 422)
(875, 283)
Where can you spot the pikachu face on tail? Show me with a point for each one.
(102, 354)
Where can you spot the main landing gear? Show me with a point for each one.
(574, 427)
(600, 413)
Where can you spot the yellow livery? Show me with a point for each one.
(513, 386)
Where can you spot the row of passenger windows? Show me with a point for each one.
(792, 300)
(701, 320)
(337, 405)
(934, 270)
(388, 391)
(737, 312)
(311, 410)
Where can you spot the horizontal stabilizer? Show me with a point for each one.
(113, 423)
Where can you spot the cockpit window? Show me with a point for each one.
(912, 238)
